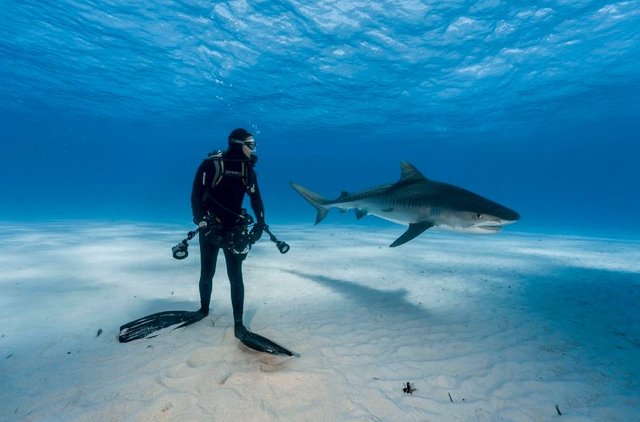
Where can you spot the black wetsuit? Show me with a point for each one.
(222, 202)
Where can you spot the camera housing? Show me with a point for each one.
(181, 250)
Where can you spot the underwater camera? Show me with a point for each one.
(239, 243)
(181, 250)
(283, 247)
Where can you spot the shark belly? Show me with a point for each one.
(396, 212)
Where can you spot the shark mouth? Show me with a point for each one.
(487, 229)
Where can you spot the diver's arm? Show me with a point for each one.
(197, 192)
(256, 199)
(258, 206)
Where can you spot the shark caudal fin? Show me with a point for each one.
(314, 199)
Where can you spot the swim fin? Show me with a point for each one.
(151, 325)
(260, 343)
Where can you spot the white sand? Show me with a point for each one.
(490, 328)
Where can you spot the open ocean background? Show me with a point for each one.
(108, 107)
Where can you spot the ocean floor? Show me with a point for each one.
(509, 327)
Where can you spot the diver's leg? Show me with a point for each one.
(234, 271)
(208, 258)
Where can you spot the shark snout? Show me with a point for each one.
(496, 221)
(511, 217)
(505, 216)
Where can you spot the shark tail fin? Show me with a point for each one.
(314, 199)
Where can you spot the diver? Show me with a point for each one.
(219, 188)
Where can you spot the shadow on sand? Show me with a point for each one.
(391, 302)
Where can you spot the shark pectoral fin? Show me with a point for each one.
(414, 230)
(361, 213)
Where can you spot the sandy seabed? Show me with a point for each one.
(510, 327)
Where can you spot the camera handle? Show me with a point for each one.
(181, 250)
(283, 247)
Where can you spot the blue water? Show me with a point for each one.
(107, 107)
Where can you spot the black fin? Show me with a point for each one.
(148, 326)
(414, 230)
(361, 213)
(261, 344)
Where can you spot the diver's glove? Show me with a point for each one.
(256, 231)
(202, 225)
(204, 221)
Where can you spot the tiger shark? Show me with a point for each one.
(419, 202)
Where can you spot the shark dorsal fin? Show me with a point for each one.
(409, 173)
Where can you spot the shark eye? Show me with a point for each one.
(479, 216)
